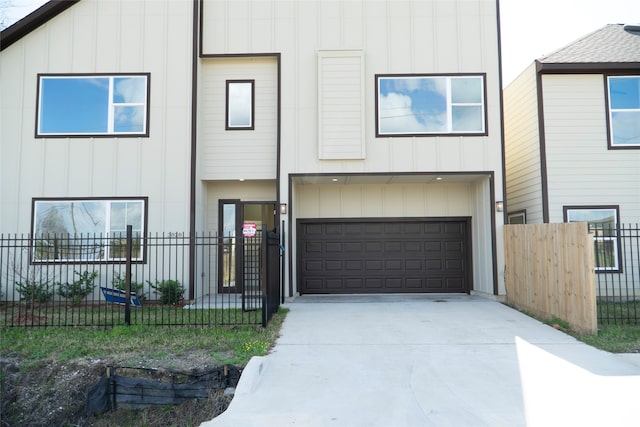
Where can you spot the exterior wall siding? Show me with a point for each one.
(522, 147)
(101, 37)
(393, 200)
(238, 154)
(341, 105)
(299, 30)
(581, 169)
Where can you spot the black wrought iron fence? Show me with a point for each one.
(156, 279)
(617, 259)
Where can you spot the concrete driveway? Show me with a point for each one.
(416, 360)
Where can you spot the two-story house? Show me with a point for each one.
(572, 137)
(369, 132)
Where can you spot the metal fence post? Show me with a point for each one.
(127, 273)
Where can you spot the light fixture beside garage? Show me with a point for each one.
(283, 208)
(499, 206)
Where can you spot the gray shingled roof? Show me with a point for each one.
(611, 43)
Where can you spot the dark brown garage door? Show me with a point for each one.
(383, 256)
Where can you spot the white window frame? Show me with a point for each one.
(245, 108)
(517, 214)
(600, 235)
(611, 111)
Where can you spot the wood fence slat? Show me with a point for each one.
(550, 272)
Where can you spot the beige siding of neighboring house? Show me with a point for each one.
(522, 146)
(581, 169)
(101, 37)
(238, 154)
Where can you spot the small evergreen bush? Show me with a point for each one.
(77, 290)
(170, 291)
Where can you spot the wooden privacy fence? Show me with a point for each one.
(550, 272)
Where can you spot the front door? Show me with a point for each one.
(239, 254)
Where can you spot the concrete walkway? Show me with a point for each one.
(386, 361)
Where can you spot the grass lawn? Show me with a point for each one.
(225, 344)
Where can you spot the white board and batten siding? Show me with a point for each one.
(101, 37)
(581, 169)
(238, 154)
(341, 108)
(522, 146)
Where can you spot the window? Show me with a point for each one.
(603, 223)
(93, 105)
(414, 105)
(87, 229)
(517, 217)
(624, 111)
(240, 104)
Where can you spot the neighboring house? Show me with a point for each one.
(572, 135)
(369, 131)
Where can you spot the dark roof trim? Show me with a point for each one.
(40, 16)
(585, 67)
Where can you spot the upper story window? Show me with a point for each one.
(603, 223)
(624, 111)
(70, 230)
(416, 105)
(93, 105)
(240, 106)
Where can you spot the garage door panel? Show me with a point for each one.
(312, 247)
(377, 256)
(373, 229)
(433, 246)
(393, 247)
(393, 283)
(334, 284)
(393, 265)
(355, 247)
(313, 266)
(415, 283)
(374, 247)
(374, 264)
(333, 265)
(353, 265)
(454, 265)
(453, 246)
(354, 283)
(314, 284)
(412, 265)
(373, 283)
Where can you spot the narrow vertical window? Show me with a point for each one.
(240, 104)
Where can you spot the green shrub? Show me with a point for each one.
(77, 290)
(119, 282)
(34, 292)
(170, 291)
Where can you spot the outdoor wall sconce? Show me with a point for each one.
(499, 206)
(283, 208)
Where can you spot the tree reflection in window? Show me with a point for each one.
(87, 230)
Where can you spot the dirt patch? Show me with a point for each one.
(47, 393)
